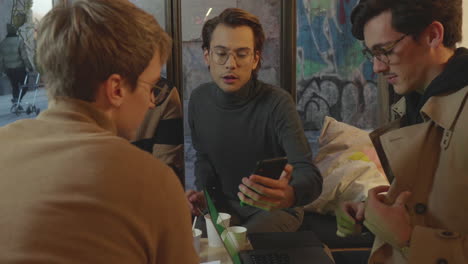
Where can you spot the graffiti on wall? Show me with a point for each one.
(333, 76)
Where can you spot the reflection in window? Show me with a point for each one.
(195, 72)
(21, 91)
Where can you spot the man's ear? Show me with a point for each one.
(206, 56)
(256, 60)
(435, 34)
(115, 89)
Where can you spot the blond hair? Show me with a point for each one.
(80, 46)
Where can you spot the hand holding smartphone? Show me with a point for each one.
(271, 168)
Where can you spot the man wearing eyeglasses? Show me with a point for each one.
(72, 187)
(422, 217)
(161, 132)
(238, 120)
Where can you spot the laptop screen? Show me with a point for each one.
(220, 229)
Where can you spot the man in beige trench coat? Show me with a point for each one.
(423, 216)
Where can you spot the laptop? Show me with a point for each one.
(280, 248)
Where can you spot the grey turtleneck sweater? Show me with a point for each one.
(232, 131)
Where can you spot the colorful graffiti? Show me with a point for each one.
(333, 76)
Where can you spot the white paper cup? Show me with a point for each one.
(237, 234)
(213, 237)
(224, 219)
(196, 239)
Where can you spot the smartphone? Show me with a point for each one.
(271, 168)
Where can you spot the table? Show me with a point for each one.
(213, 253)
(220, 253)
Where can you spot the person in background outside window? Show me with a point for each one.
(14, 60)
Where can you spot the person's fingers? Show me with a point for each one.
(254, 186)
(268, 182)
(195, 196)
(286, 175)
(256, 196)
(189, 193)
(199, 196)
(190, 205)
(402, 198)
(267, 191)
(360, 211)
(257, 204)
(376, 190)
(381, 197)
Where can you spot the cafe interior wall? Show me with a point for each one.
(464, 42)
(333, 77)
(5, 16)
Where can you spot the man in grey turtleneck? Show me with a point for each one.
(238, 120)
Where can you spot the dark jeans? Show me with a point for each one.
(16, 77)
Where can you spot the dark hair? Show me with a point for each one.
(412, 17)
(235, 17)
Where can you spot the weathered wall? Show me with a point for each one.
(464, 42)
(5, 16)
(333, 78)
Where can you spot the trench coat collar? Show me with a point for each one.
(444, 109)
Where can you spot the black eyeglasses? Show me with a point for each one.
(221, 55)
(382, 53)
(159, 91)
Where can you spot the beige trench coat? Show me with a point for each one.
(431, 161)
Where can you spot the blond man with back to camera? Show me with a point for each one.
(72, 188)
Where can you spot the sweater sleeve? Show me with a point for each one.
(306, 178)
(204, 171)
(174, 233)
(430, 245)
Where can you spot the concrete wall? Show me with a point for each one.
(156, 8)
(464, 42)
(5, 16)
(193, 18)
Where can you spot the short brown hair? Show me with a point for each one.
(235, 17)
(80, 46)
(412, 17)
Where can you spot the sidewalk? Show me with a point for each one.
(7, 117)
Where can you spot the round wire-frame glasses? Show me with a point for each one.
(220, 56)
(382, 53)
(159, 91)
